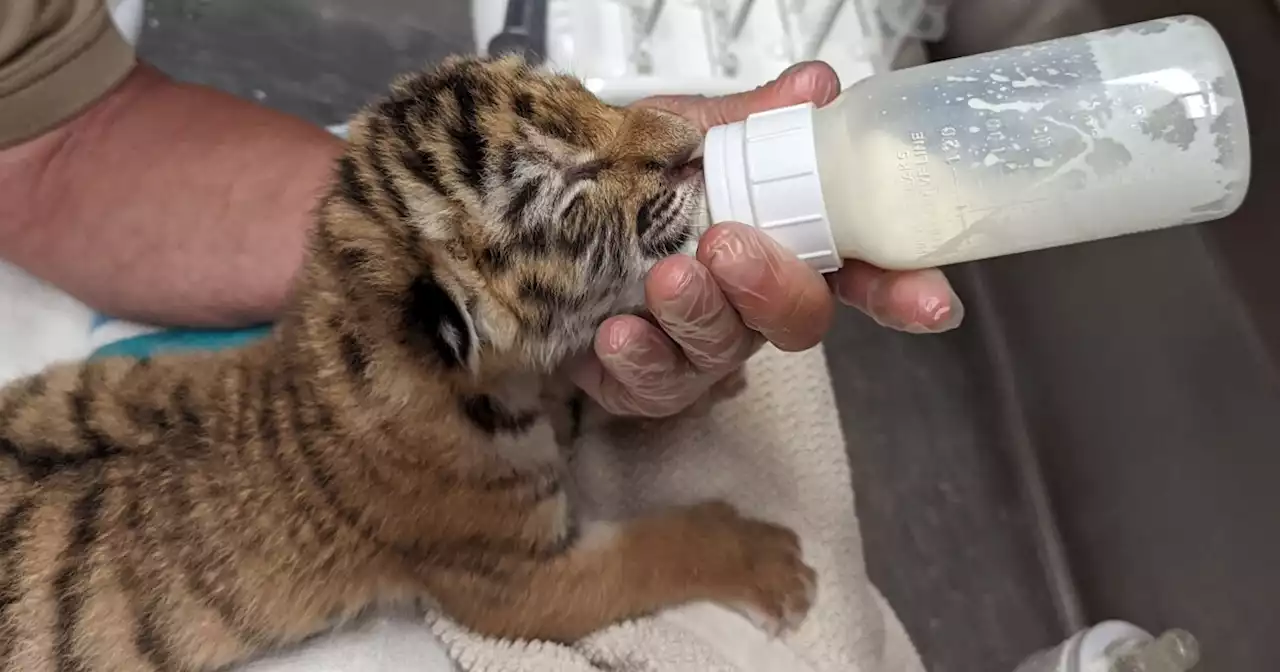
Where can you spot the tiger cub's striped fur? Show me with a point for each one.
(388, 443)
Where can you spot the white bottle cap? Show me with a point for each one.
(763, 172)
(1098, 645)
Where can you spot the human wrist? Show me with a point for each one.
(35, 174)
(168, 203)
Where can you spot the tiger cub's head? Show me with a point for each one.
(499, 212)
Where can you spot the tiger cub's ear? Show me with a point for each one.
(436, 319)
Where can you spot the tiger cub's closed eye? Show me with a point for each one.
(585, 171)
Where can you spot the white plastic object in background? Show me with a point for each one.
(1117, 646)
(1076, 139)
(127, 16)
(629, 49)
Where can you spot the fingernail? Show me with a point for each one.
(680, 293)
(949, 315)
(683, 281)
(616, 340)
(734, 257)
(791, 69)
(942, 316)
(830, 89)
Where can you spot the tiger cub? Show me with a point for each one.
(388, 443)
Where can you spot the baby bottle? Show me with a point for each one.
(1075, 139)
(1116, 646)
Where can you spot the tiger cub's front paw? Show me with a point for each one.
(753, 567)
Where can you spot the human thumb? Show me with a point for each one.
(809, 81)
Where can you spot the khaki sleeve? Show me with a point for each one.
(56, 58)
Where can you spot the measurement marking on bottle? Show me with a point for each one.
(918, 179)
(920, 158)
(950, 145)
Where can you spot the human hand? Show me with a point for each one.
(710, 313)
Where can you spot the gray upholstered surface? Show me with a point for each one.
(950, 537)
(1147, 369)
(316, 58)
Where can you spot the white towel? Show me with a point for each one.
(39, 325)
(777, 452)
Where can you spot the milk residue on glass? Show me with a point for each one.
(1075, 139)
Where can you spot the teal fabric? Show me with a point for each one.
(181, 340)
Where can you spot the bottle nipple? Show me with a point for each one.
(1174, 651)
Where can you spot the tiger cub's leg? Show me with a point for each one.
(618, 571)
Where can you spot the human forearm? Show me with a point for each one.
(167, 203)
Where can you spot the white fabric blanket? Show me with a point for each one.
(776, 450)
